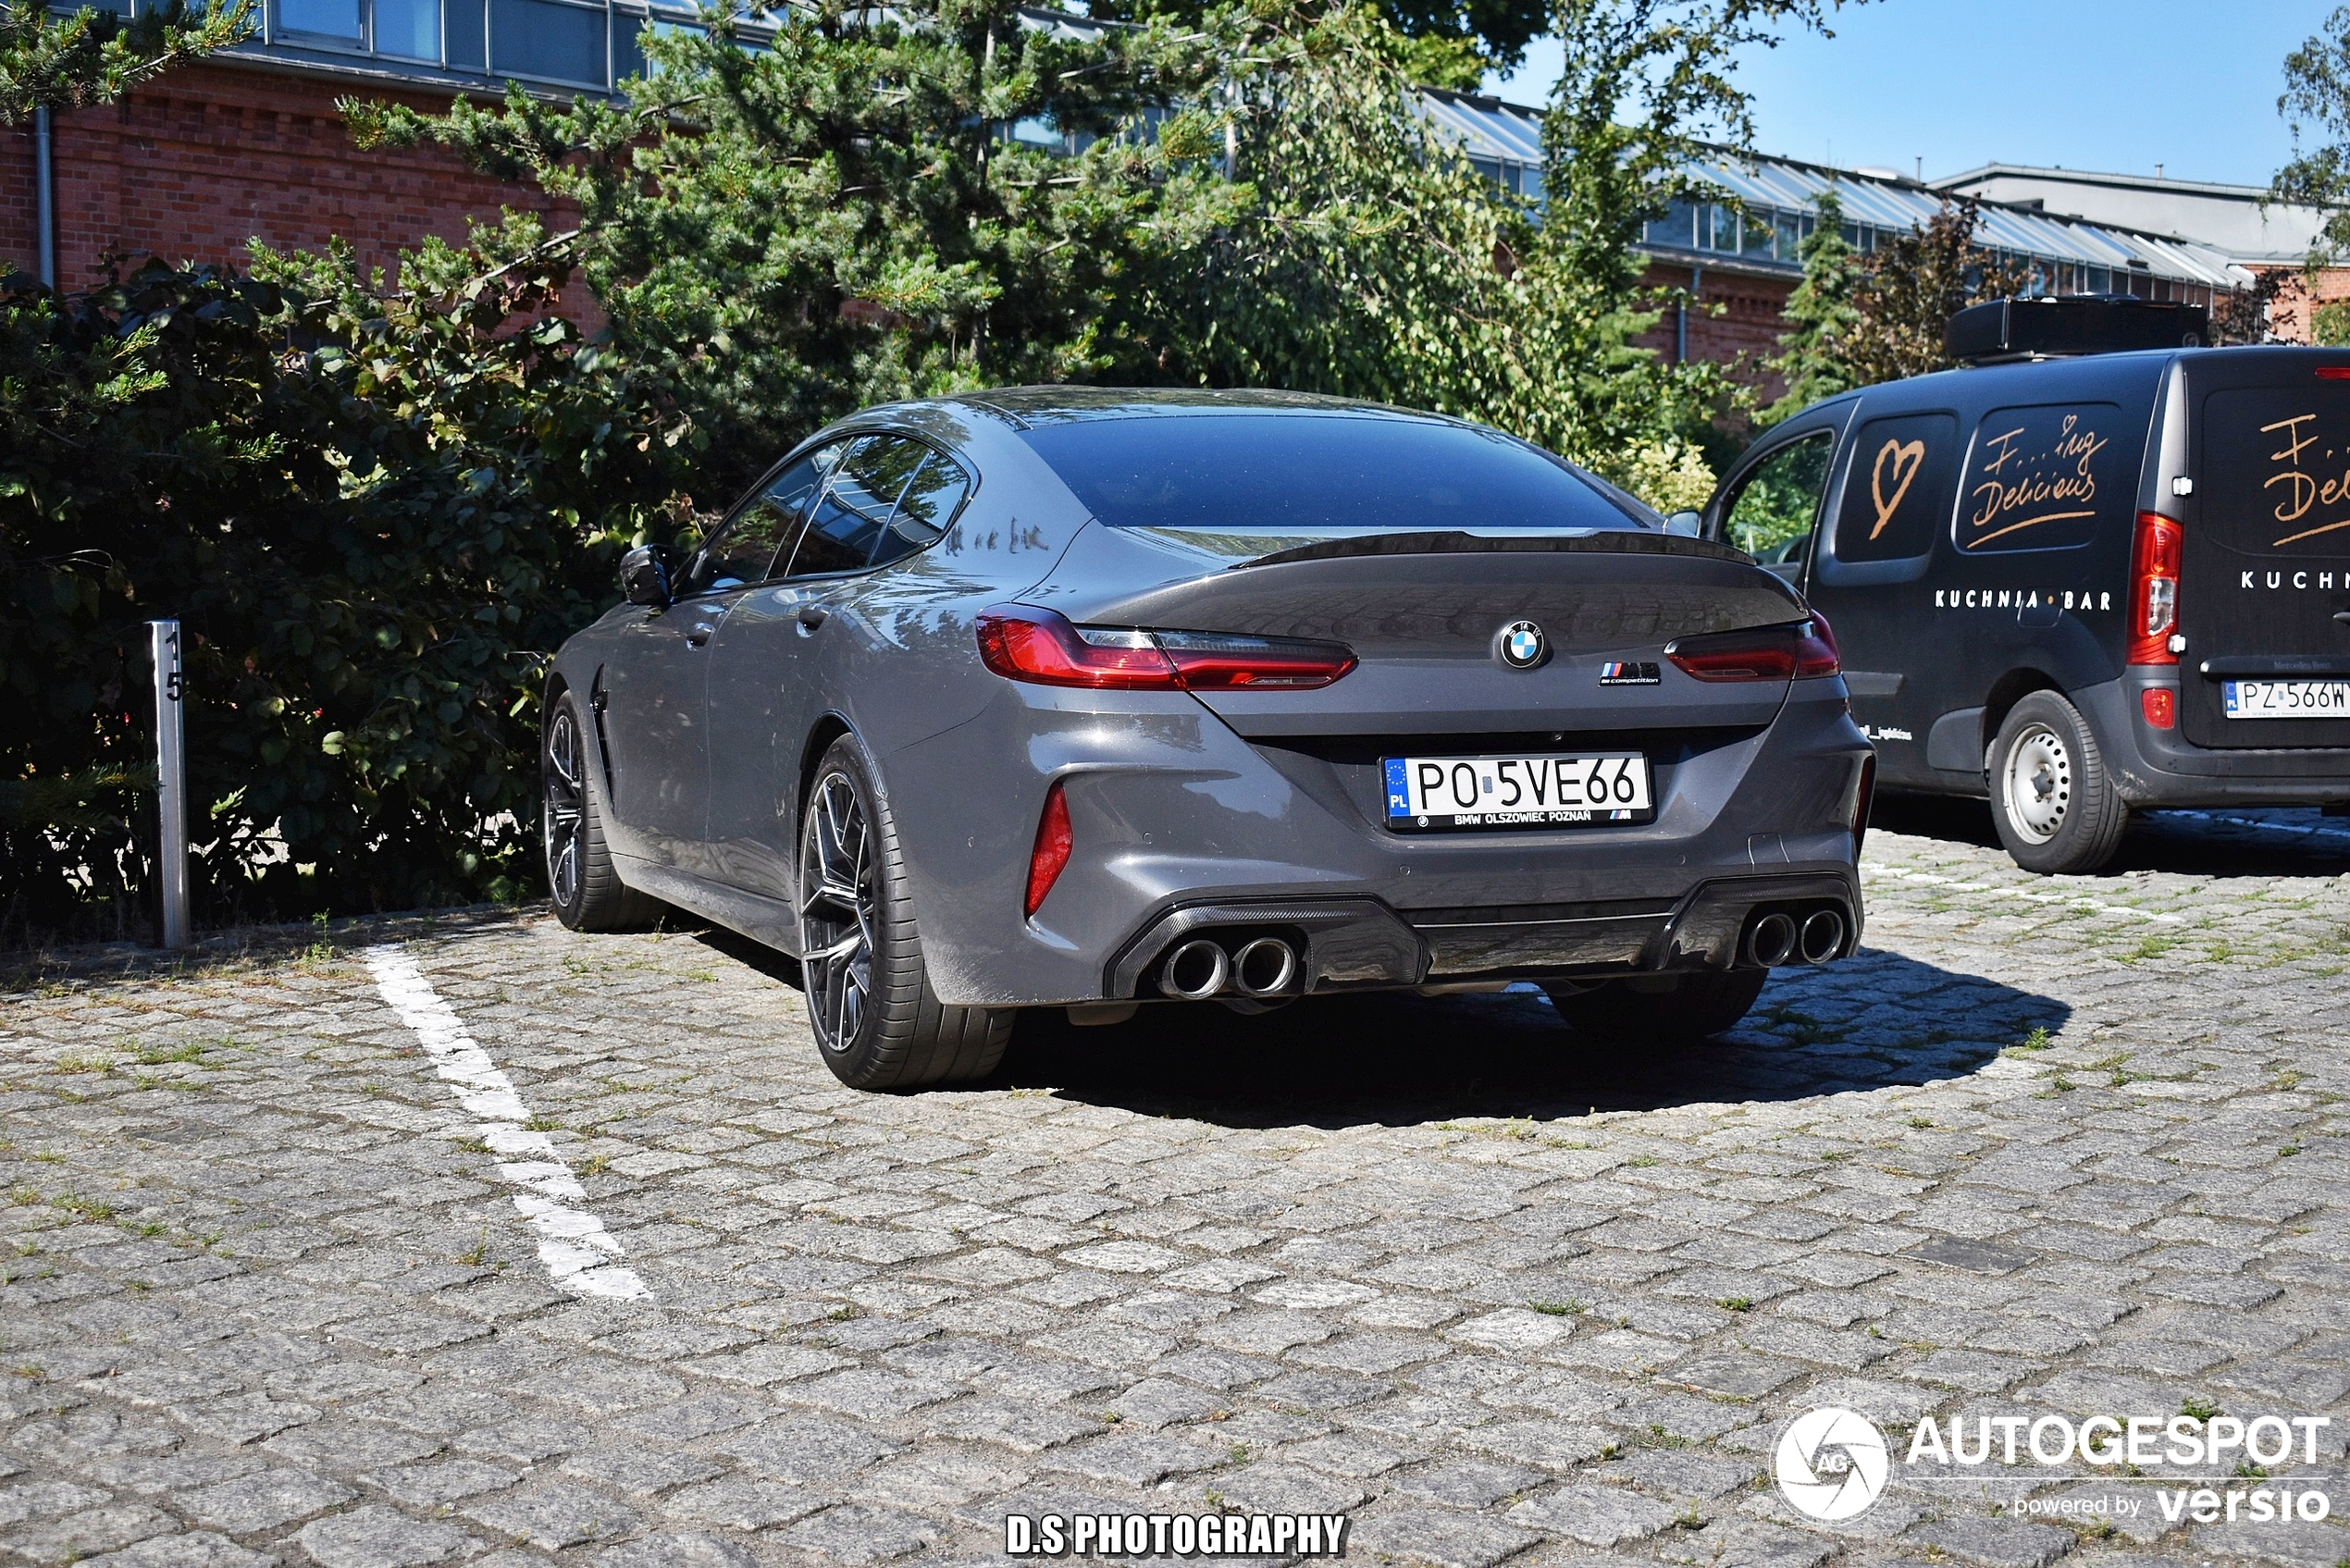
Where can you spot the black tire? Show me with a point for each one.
(585, 888)
(2051, 799)
(878, 1023)
(1643, 1008)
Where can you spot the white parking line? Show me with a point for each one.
(2091, 905)
(578, 1251)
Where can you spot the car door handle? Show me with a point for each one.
(701, 633)
(2342, 616)
(813, 616)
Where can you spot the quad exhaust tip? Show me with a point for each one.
(1265, 967)
(1200, 970)
(1770, 942)
(1780, 938)
(1823, 937)
(1195, 971)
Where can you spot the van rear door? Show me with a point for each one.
(2264, 594)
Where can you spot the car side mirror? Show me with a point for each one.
(647, 574)
(1686, 523)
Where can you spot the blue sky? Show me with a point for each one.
(2116, 85)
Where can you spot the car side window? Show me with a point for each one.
(928, 504)
(1771, 516)
(854, 509)
(2047, 478)
(1900, 488)
(746, 547)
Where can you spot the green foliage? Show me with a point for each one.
(1776, 502)
(1811, 359)
(1881, 317)
(369, 541)
(1445, 42)
(93, 57)
(1372, 261)
(798, 232)
(791, 234)
(2315, 104)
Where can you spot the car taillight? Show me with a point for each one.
(1054, 841)
(2153, 589)
(1796, 652)
(2161, 705)
(1215, 661)
(1043, 649)
(1021, 643)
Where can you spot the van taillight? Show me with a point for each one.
(2153, 589)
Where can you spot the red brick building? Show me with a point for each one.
(249, 145)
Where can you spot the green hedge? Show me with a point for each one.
(372, 517)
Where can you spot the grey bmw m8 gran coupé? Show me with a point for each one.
(1096, 699)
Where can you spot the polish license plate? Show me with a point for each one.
(1455, 794)
(2286, 699)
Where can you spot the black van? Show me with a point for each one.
(2080, 584)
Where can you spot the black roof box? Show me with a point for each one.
(2072, 324)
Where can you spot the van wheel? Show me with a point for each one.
(2054, 802)
(1649, 1007)
(876, 1019)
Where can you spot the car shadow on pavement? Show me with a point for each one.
(2223, 841)
(1399, 1060)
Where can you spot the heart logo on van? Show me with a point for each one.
(1906, 457)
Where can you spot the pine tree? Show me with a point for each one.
(1812, 362)
(54, 60)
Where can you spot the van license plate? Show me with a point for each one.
(1454, 793)
(2286, 699)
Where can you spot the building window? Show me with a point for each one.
(338, 20)
(1792, 230)
(408, 27)
(1678, 227)
(549, 41)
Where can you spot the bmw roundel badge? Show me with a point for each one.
(1523, 646)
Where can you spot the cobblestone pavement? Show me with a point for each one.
(276, 1291)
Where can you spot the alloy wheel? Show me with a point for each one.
(837, 912)
(2038, 782)
(565, 800)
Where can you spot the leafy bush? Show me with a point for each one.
(371, 516)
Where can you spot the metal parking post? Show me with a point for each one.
(171, 783)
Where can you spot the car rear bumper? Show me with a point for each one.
(2154, 768)
(1182, 827)
(1362, 944)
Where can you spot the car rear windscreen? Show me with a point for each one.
(1281, 473)
(2276, 471)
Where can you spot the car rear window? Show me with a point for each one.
(2276, 470)
(2046, 477)
(1284, 472)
